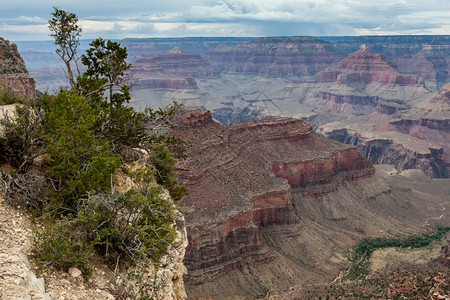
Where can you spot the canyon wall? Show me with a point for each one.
(401, 151)
(264, 199)
(275, 56)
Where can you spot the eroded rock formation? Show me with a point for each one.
(13, 72)
(426, 56)
(271, 204)
(275, 56)
(388, 147)
(363, 83)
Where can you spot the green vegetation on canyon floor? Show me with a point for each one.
(363, 250)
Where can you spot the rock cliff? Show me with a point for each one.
(174, 62)
(389, 147)
(272, 204)
(275, 56)
(429, 120)
(13, 73)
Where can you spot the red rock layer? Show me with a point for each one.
(175, 63)
(365, 67)
(275, 57)
(19, 83)
(240, 180)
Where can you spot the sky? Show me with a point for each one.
(26, 20)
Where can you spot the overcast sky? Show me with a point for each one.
(27, 19)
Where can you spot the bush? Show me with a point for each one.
(7, 96)
(62, 247)
(21, 136)
(137, 225)
(27, 190)
(81, 162)
(164, 164)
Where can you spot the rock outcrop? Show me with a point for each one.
(264, 199)
(427, 56)
(389, 147)
(17, 278)
(429, 121)
(365, 67)
(364, 83)
(13, 73)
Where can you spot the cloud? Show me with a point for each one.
(135, 18)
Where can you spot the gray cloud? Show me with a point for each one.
(26, 19)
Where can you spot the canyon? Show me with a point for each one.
(321, 82)
(273, 204)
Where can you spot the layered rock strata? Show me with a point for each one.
(275, 57)
(13, 72)
(264, 199)
(173, 69)
(389, 147)
(364, 66)
(174, 62)
(426, 56)
(364, 83)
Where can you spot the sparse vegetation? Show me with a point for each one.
(88, 133)
(21, 138)
(363, 250)
(7, 96)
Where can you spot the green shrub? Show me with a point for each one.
(137, 224)
(164, 164)
(21, 136)
(81, 162)
(62, 247)
(7, 96)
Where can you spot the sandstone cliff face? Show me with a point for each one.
(13, 73)
(264, 199)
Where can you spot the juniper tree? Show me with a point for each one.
(66, 32)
